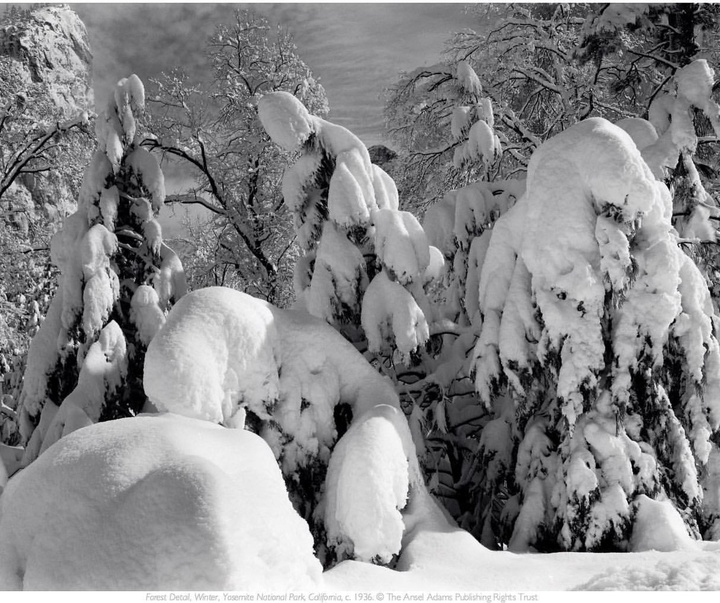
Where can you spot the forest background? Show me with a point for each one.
(527, 74)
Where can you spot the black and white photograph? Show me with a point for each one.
(359, 302)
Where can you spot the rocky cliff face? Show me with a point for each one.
(45, 78)
(52, 44)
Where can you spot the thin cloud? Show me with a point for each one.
(356, 50)
(359, 49)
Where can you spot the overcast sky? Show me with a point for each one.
(355, 49)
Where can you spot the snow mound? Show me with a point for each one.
(154, 503)
(367, 486)
(225, 356)
(658, 527)
(214, 351)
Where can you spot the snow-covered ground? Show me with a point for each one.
(444, 559)
(167, 502)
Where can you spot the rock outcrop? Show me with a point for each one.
(381, 155)
(45, 79)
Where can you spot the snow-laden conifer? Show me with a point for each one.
(348, 222)
(117, 281)
(671, 155)
(586, 298)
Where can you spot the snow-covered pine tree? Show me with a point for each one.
(365, 261)
(117, 281)
(445, 405)
(523, 55)
(446, 416)
(671, 45)
(463, 215)
(543, 85)
(472, 124)
(673, 155)
(598, 349)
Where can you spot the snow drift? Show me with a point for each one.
(154, 503)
